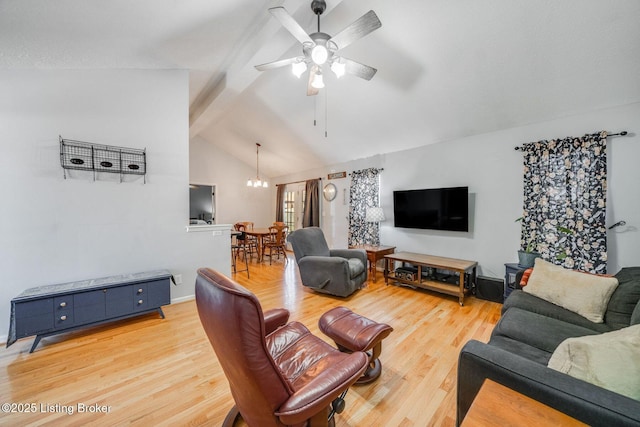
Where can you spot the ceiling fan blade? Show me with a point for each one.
(287, 21)
(357, 69)
(310, 89)
(278, 64)
(359, 28)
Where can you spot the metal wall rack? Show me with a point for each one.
(86, 156)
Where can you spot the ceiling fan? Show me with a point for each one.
(320, 48)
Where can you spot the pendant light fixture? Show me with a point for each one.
(257, 182)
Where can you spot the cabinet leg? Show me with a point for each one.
(160, 312)
(35, 343)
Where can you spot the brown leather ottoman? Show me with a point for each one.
(352, 332)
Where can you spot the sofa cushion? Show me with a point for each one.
(624, 299)
(582, 293)
(610, 360)
(521, 349)
(531, 303)
(536, 330)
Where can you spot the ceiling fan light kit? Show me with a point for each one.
(320, 48)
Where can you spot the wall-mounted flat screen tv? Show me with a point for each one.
(432, 209)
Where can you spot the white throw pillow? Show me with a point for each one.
(583, 293)
(610, 360)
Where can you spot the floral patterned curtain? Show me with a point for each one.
(365, 192)
(565, 188)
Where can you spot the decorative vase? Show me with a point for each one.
(527, 259)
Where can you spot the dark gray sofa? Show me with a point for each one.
(523, 341)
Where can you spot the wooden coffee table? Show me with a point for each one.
(374, 254)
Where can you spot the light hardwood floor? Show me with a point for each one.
(148, 371)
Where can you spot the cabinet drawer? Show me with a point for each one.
(63, 303)
(63, 311)
(63, 319)
(140, 297)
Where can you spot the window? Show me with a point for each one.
(294, 207)
(289, 209)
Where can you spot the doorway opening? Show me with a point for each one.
(202, 204)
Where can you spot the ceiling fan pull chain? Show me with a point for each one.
(315, 109)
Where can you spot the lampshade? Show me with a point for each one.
(319, 54)
(374, 214)
(298, 68)
(317, 81)
(338, 68)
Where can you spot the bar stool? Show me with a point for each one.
(235, 251)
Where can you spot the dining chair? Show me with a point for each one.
(243, 240)
(277, 241)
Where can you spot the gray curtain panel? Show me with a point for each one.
(565, 189)
(364, 192)
(280, 202)
(311, 216)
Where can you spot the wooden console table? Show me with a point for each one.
(54, 309)
(497, 405)
(374, 254)
(422, 273)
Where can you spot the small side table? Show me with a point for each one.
(497, 405)
(511, 269)
(374, 254)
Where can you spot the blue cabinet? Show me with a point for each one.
(54, 309)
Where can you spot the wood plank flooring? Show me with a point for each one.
(148, 371)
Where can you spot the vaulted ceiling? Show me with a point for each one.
(446, 69)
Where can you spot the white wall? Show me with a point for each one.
(492, 169)
(56, 230)
(235, 201)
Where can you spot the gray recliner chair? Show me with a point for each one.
(332, 271)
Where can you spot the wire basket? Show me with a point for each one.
(80, 155)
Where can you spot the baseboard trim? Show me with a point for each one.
(182, 299)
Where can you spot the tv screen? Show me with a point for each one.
(433, 209)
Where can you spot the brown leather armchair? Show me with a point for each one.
(278, 372)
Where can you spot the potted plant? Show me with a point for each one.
(528, 254)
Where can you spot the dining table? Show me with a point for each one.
(259, 234)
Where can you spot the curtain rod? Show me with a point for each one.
(296, 182)
(623, 133)
(379, 170)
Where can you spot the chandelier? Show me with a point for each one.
(257, 182)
